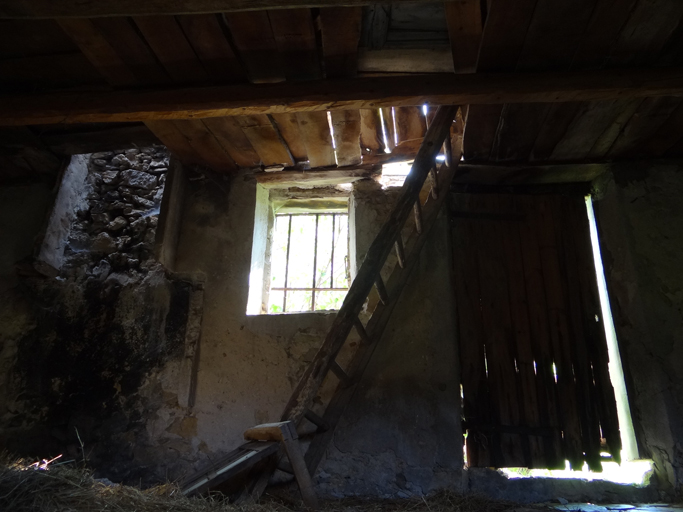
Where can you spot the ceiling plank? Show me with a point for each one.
(553, 35)
(321, 95)
(174, 140)
(315, 132)
(289, 129)
(169, 44)
(79, 9)
(229, 135)
(341, 27)
(205, 144)
(371, 138)
(314, 177)
(132, 49)
(253, 36)
(295, 37)
(346, 129)
(410, 123)
(505, 30)
(98, 51)
(266, 140)
(205, 35)
(464, 30)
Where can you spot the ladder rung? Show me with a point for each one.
(435, 183)
(339, 372)
(418, 217)
(400, 253)
(382, 290)
(362, 332)
(317, 420)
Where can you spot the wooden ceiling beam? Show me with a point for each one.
(35, 9)
(339, 94)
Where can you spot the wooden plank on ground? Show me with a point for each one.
(295, 37)
(253, 36)
(346, 129)
(315, 132)
(371, 138)
(165, 37)
(340, 27)
(98, 51)
(289, 129)
(266, 140)
(229, 134)
(464, 30)
(132, 49)
(206, 36)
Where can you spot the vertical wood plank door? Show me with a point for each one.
(535, 383)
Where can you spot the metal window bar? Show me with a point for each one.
(315, 288)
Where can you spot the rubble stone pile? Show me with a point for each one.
(116, 223)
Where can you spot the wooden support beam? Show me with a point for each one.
(281, 179)
(338, 94)
(35, 9)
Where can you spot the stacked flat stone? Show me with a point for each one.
(116, 226)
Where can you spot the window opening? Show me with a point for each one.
(309, 262)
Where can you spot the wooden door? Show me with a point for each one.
(535, 382)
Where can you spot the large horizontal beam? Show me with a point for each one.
(342, 94)
(33, 9)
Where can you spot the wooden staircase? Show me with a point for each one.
(300, 409)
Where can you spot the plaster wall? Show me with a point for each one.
(402, 434)
(639, 222)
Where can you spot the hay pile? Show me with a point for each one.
(28, 488)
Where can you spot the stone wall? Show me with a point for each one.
(639, 221)
(90, 362)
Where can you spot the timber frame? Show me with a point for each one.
(338, 94)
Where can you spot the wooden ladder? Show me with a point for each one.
(300, 404)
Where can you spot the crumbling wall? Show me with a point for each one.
(639, 222)
(95, 361)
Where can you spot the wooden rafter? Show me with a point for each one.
(103, 8)
(341, 94)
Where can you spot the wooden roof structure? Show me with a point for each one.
(234, 84)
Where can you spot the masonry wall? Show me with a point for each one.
(639, 221)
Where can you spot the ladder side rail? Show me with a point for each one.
(310, 382)
(375, 327)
